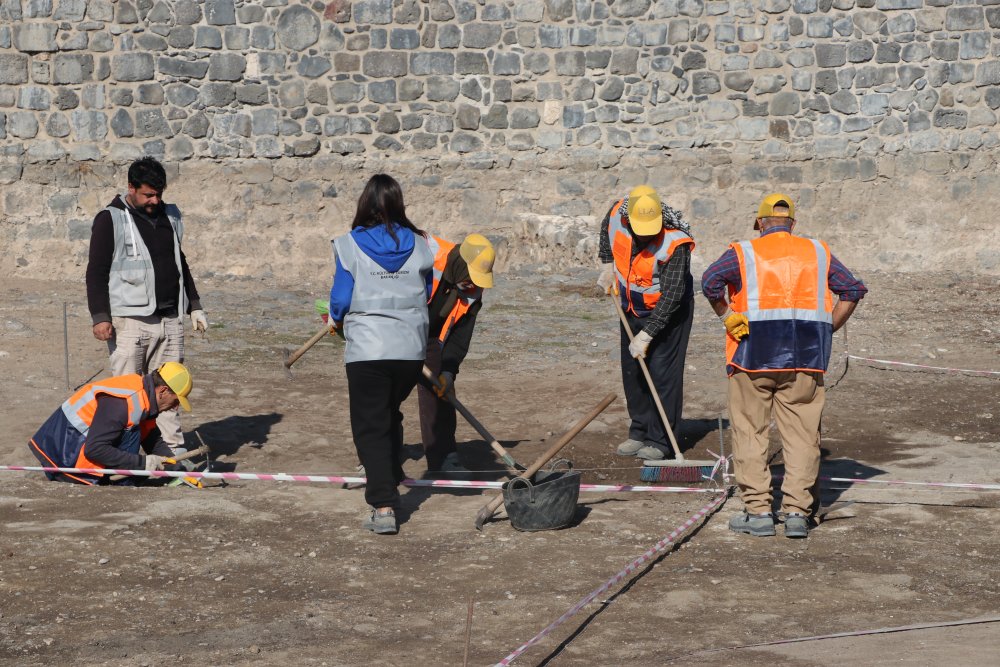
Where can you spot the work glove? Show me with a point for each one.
(198, 321)
(737, 324)
(154, 462)
(445, 384)
(336, 328)
(639, 345)
(606, 278)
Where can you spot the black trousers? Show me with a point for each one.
(437, 417)
(665, 360)
(376, 390)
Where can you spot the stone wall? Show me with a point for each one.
(521, 119)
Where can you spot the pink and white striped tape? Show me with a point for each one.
(629, 569)
(333, 479)
(887, 362)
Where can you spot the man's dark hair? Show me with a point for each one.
(147, 171)
(158, 381)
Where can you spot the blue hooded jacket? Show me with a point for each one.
(388, 253)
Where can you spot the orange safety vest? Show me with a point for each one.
(639, 277)
(786, 297)
(441, 249)
(76, 414)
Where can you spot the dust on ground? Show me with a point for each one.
(279, 573)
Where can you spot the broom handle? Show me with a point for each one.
(649, 379)
(490, 508)
(513, 466)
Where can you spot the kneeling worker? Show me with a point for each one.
(461, 273)
(104, 423)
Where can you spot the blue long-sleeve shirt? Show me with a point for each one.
(389, 253)
(726, 271)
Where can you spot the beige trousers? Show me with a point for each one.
(797, 401)
(143, 344)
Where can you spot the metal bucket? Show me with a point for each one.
(547, 503)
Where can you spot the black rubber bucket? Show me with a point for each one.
(545, 503)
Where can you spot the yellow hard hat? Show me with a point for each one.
(479, 255)
(645, 215)
(178, 379)
(766, 208)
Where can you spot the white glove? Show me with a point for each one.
(198, 321)
(606, 278)
(637, 348)
(154, 462)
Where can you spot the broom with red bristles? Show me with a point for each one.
(677, 469)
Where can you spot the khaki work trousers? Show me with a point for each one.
(797, 400)
(143, 344)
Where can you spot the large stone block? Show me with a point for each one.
(121, 124)
(951, 118)
(988, 73)
(404, 38)
(207, 37)
(35, 37)
(13, 68)
(623, 61)
(22, 124)
(831, 55)
(70, 10)
(378, 12)
(432, 62)
(298, 28)
(480, 35)
(217, 94)
(506, 63)
(181, 67)
(132, 67)
(226, 67)
(571, 63)
(34, 97)
(92, 125)
(558, 10)
(383, 65)
(974, 45)
(220, 12)
(964, 18)
(524, 119)
(313, 67)
(442, 88)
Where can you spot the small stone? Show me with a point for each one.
(220, 577)
(104, 561)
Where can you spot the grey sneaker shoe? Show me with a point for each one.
(629, 447)
(651, 453)
(758, 525)
(381, 522)
(796, 525)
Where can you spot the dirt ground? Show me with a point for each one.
(268, 573)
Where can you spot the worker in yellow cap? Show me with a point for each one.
(461, 273)
(104, 424)
(774, 295)
(645, 247)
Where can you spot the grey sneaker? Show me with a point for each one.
(758, 525)
(629, 447)
(796, 525)
(381, 521)
(651, 453)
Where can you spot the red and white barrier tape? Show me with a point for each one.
(629, 569)
(333, 479)
(946, 485)
(887, 362)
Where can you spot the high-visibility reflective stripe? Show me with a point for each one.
(752, 289)
(772, 314)
(71, 409)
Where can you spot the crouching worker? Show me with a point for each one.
(104, 424)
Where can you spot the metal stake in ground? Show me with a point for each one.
(487, 512)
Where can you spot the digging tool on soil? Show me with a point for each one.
(513, 466)
(291, 357)
(488, 510)
(177, 459)
(678, 469)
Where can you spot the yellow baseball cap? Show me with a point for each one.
(766, 208)
(645, 215)
(479, 255)
(178, 379)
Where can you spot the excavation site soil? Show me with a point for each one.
(281, 573)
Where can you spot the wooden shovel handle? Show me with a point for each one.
(649, 380)
(317, 337)
(513, 466)
(491, 507)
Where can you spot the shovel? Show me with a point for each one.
(487, 512)
(513, 466)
